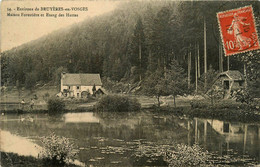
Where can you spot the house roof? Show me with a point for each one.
(232, 74)
(81, 79)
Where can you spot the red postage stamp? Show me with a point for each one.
(238, 31)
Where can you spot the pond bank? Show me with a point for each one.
(226, 110)
(13, 159)
(226, 114)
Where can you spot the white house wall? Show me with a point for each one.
(88, 88)
(63, 87)
(75, 91)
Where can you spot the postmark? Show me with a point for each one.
(238, 31)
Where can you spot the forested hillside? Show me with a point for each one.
(127, 45)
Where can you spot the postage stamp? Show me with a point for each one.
(238, 31)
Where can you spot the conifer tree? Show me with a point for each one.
(177, 80)
(138, 49)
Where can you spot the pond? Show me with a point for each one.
(113, 139)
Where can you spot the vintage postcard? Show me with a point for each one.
(129, 83)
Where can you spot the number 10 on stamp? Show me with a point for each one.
(238, 31)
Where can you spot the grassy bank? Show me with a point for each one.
(90, 109)
(15, 160)
(224, 104)
(71, 105)
(225, 114)
(11, 159)
(190, 106)
(18, 111)
(11, 98)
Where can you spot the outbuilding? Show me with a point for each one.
(229, 81)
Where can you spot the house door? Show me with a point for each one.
(226, 128)
(226, 85)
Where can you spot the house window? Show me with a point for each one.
(77, 94)
(78, 87)
(69, 87)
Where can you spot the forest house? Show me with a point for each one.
(79, 85)
(229, 81)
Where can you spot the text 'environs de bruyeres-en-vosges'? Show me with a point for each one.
(52, 9)
(47, 9)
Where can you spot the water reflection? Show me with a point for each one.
(112, 138)
(87, 117)
(236, 140)
(18, 144)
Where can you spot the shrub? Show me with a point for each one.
(215, 94)
(55, 105)
(177, 155)
(184, 155)
(57, 151)
(46, 95)
(115, 103)
(243, 96)
(116, 87)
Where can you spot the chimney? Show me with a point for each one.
(63, 75)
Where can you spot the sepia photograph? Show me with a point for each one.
(123, 83)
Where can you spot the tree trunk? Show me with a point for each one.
(19, 93)
(212, 100)
(198, 60)
(205, 54)
(174, 101)
(220, 58)
(245, 75)
(150, 60)
(228, 63)
(196, 72)
(158, 63)
(164, 67)
(140, 59)
(189, 67)
(158, 100)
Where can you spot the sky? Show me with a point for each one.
(17, 30)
